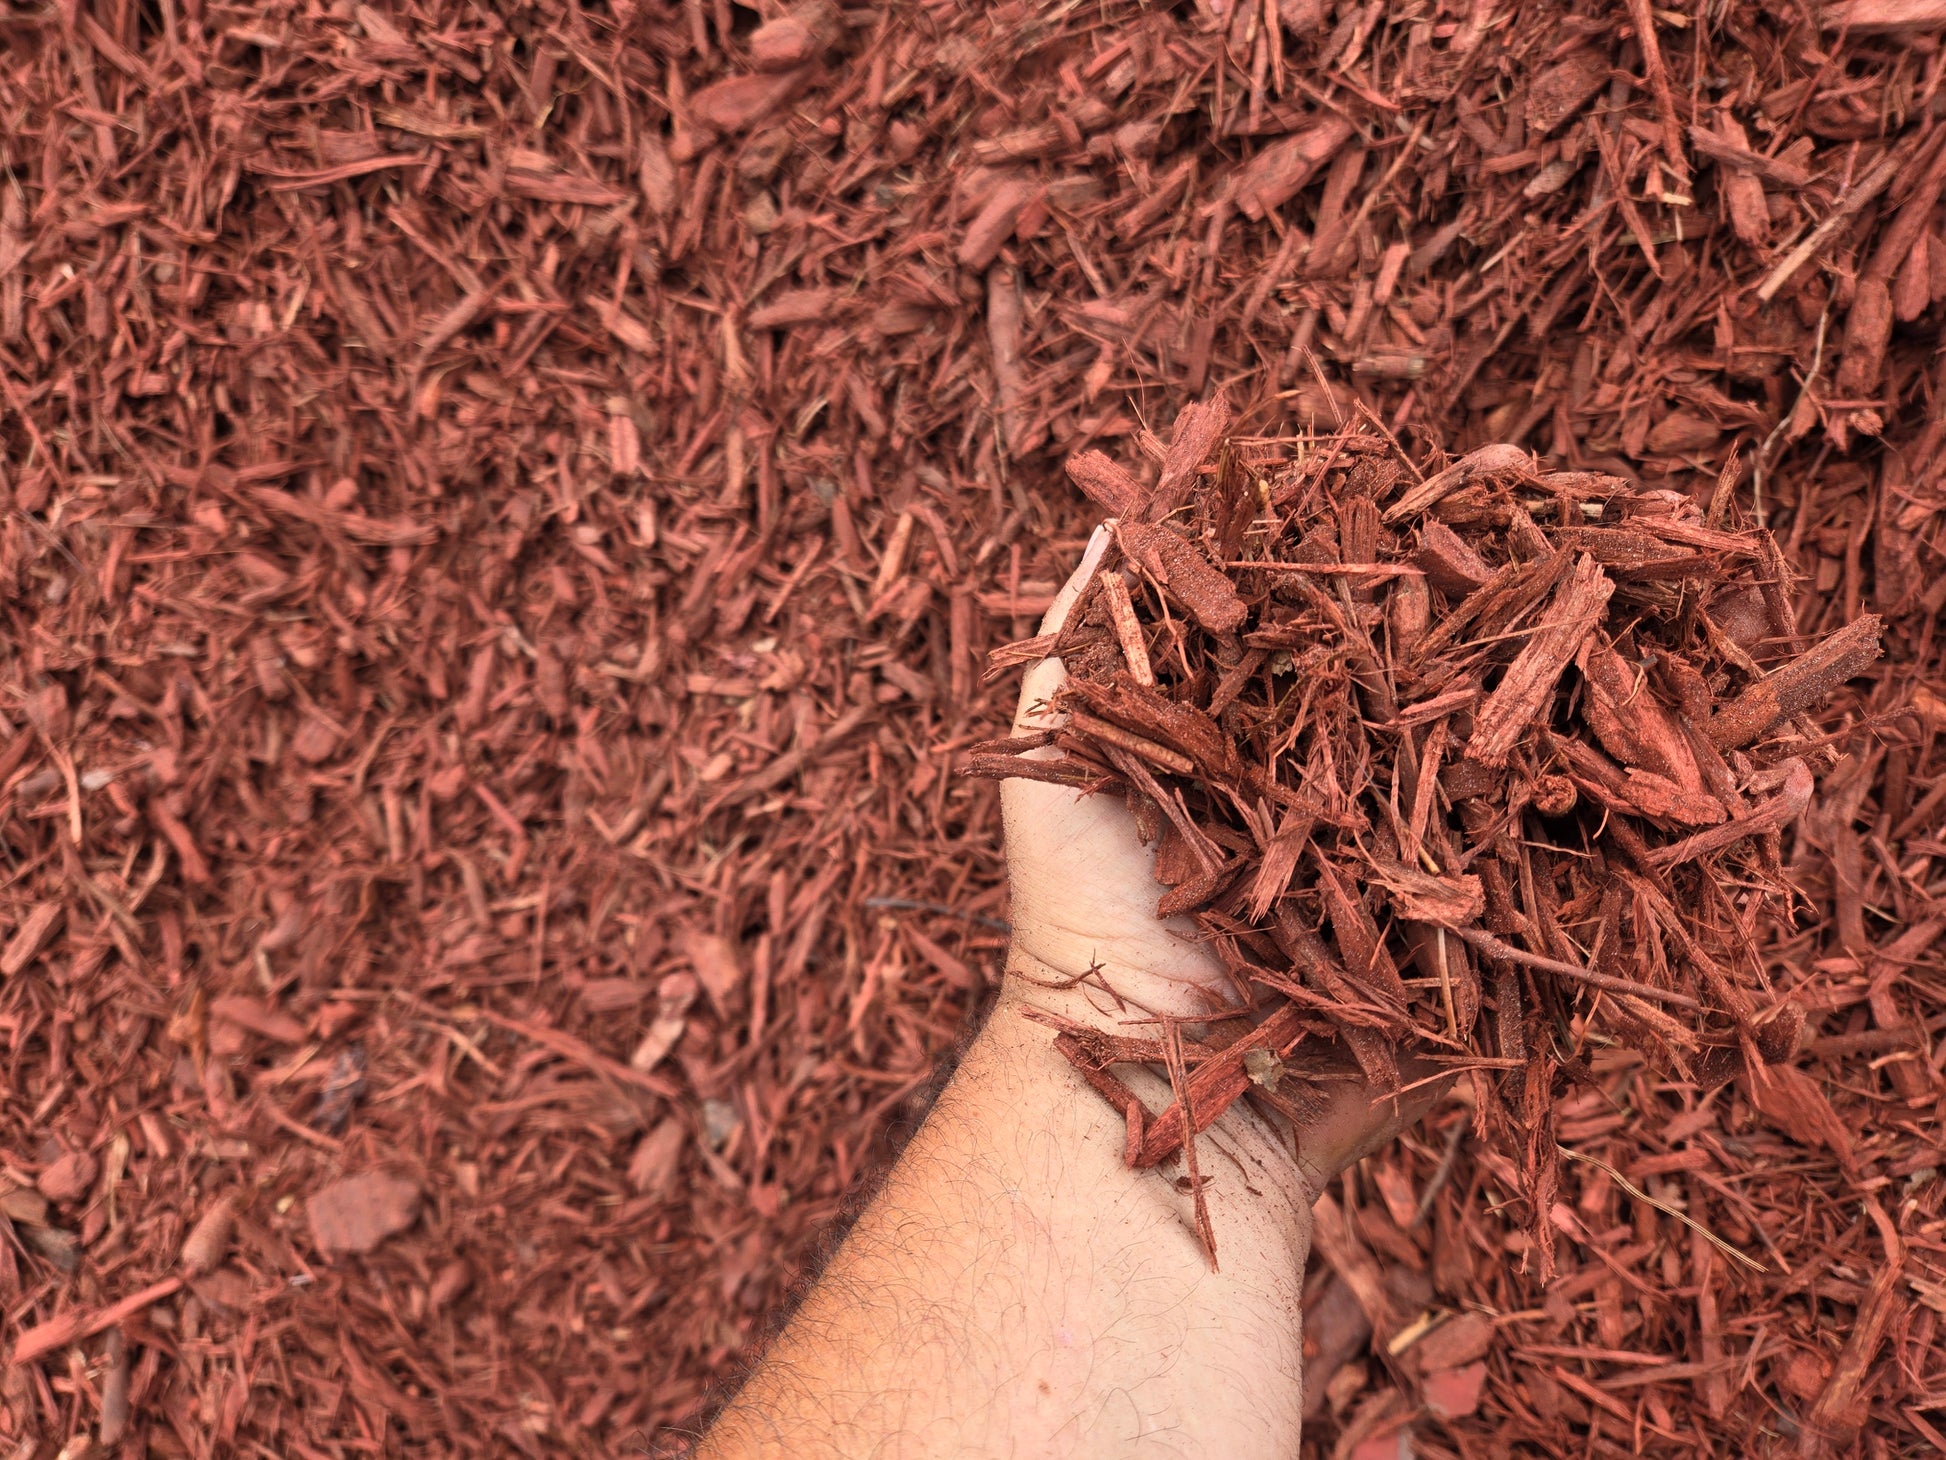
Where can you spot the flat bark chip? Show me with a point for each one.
(353, 1215)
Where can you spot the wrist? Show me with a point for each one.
(1014, 1280)
(1247, 1160)
(1114, 997)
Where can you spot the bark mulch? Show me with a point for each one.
(1315, 672)
(506, 510)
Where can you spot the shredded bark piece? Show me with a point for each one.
(1515, 704)
(1807, 680)
(1128, 629)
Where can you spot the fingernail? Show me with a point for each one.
(1097, 542)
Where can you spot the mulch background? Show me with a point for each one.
(505, 508)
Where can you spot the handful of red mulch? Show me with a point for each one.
(1486, 762)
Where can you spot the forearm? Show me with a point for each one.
(1016, 1290)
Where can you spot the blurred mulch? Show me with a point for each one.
(504, 511)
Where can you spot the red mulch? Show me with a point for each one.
(504, 514)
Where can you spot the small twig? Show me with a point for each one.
(1494, 948)
(1662, 1206)
(1369, 414)
(39, 527)
(1658, 78)
(1804, 388)
(1326, 570)
(1869, 187)
(1179, 1080)
(1105, 733)
(1445, 1172)
(82, 1323)
(912, 904)
(1446, 985)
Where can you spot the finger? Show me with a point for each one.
(1082, 880)
(1356, 1120)
(1044, 678)
(1097, 549)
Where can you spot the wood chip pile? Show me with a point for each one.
(505, 508)
(1454, 761)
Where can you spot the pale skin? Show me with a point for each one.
(1014, 1289)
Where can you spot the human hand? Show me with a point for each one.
(1083, 884)
(1021, 1286)
(1088, 946)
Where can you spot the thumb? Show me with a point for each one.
(1040, 682)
